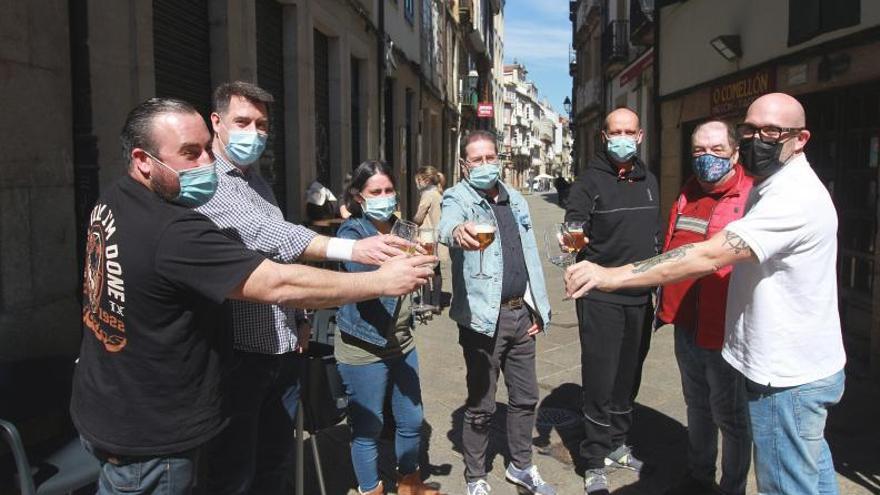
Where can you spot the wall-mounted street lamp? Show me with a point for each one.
(728, 45)
(567, 105)
(473, 78)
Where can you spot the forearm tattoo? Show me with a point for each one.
(736, 243)
(667, 257)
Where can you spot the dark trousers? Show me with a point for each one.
(254, 454)
(511, 351)
(614, 343)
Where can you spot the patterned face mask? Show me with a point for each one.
(711, 168)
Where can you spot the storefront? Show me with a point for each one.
(839, 86)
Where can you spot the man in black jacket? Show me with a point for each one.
(617, 198)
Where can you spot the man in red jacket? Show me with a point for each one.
(714, 392)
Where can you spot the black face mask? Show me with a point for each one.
(760, 159)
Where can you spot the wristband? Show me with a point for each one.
(339, 249)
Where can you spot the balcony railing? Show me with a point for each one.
(615, 45)
(641, 24)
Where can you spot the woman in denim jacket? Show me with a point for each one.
(375, 350)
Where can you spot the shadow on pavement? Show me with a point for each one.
(659, 440)
(334, 449)
(497, 434)
(853, 434)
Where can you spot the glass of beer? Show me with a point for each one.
(563, 241)
(407, 231)
(485, 230)
(427, 239)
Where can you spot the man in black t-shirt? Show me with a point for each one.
(146, 393)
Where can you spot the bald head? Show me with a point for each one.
(776, 109)
(621, 118)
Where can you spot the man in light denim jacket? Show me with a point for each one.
(500, 304)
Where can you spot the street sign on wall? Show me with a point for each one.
(485, 110)
(734, 96)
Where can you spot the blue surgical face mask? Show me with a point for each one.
(484, 176)
(245, 147)
(197, 185)
(381, 208)
(621, 149)
(711, 168)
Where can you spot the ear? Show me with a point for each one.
(359, 199)
(734, 158)
(801, 142)
(641, 136)
(603, 136)
(215, 122)
(140, 161)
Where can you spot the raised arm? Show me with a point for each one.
(688, 261)
(307, 287)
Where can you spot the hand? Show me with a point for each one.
(465, 236)
(403, 274)
(303, 335)
(534, 330)
(582, 277)
(377, 249)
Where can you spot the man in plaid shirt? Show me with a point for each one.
(254, 453)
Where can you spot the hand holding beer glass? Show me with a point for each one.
(563, 241)
(484, 226)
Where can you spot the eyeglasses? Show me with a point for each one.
(473, 162)
(767, 134)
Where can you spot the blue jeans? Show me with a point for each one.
(715, 395)
(788, 427)
(254, 453)
(165, 475)
(366, 386)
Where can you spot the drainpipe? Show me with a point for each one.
(380, 80)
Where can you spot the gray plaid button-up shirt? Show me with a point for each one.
(245, 209)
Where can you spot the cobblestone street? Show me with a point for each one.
(659, 427)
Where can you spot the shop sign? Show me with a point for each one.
(735, 96)
(485, 110)
(635, 69)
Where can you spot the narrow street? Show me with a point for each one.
(658, 433)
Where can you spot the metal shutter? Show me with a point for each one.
(182, 51)
(270, 76)
(322, 107)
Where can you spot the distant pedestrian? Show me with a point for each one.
(561, 186)
(500, 306)
(428, 216)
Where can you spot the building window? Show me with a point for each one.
(356, 112)
(270, 75)
(322, 107)
(389, 121)
(810, 18)
(182, 52)
(409, 10)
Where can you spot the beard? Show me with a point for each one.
(163, 185)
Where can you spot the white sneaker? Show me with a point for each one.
(479, 487)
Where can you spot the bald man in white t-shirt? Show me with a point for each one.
(782, 328)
